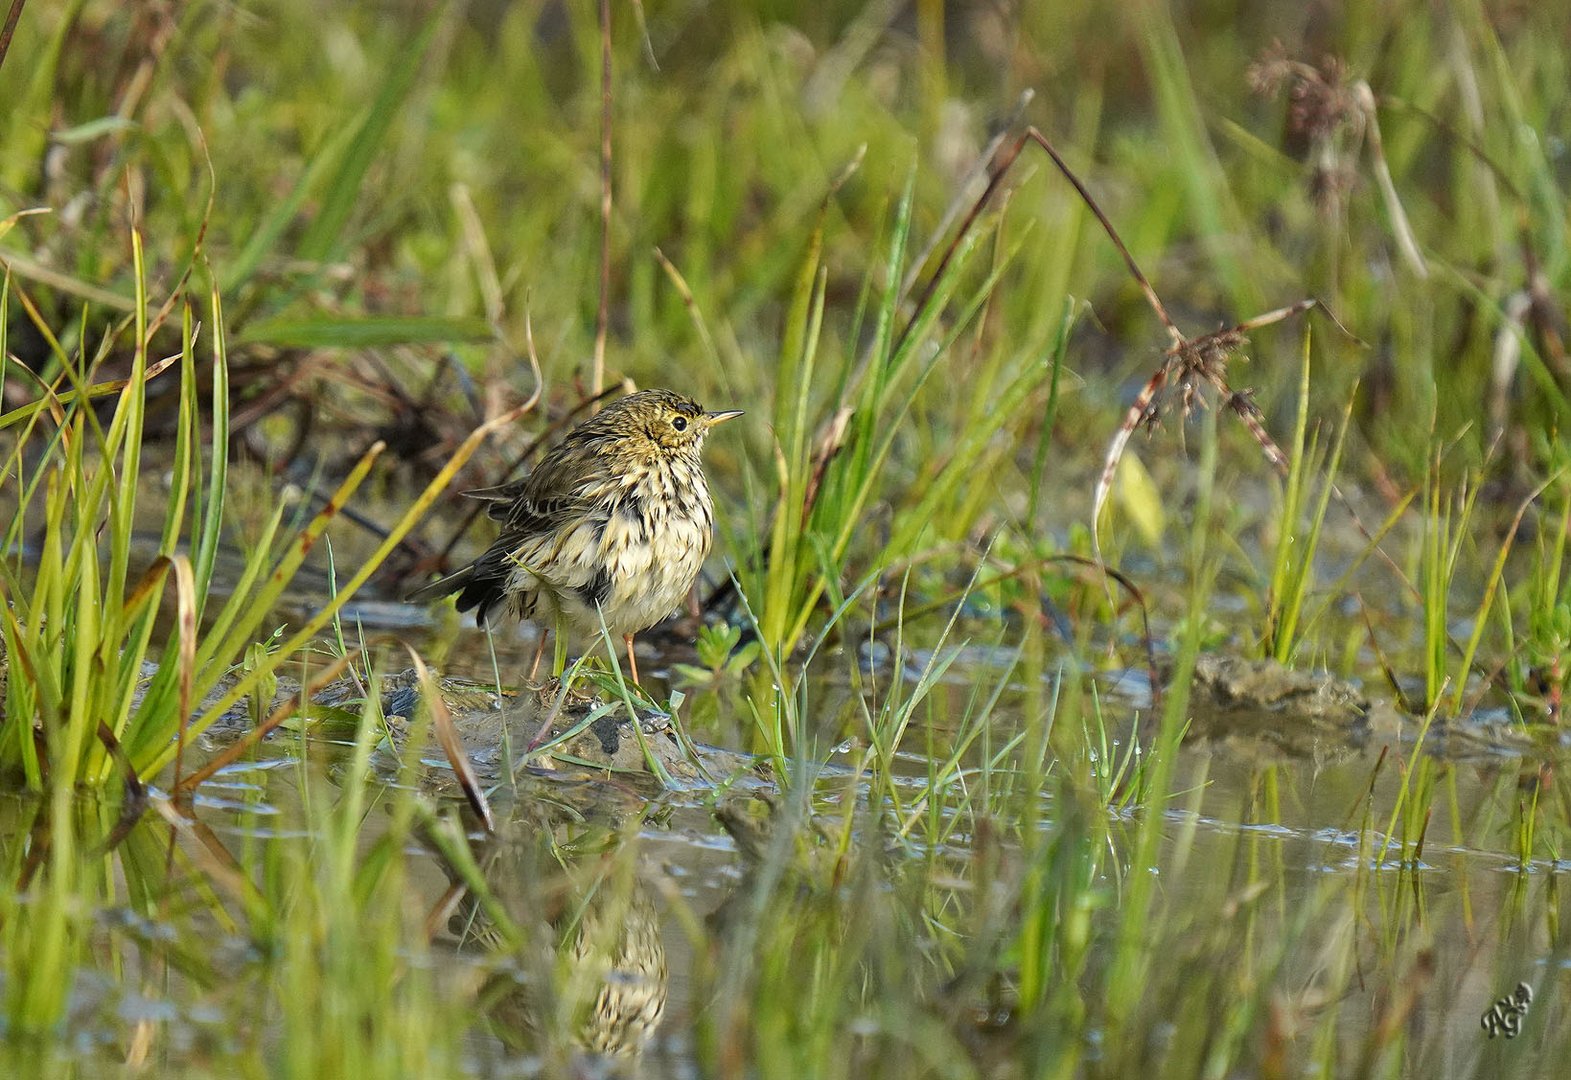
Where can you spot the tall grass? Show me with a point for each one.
(79, 631)
(1299, 527)
(80, 628)
(830, 472)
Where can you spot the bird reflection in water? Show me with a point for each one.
(588, 982)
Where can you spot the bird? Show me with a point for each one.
(610, 528)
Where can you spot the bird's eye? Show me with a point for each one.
(680, 423)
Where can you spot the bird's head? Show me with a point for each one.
(673, 423)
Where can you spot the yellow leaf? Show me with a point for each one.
(1138, 497)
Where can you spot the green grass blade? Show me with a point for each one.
(325, 236)
(367, 332)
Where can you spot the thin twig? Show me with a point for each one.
(1187, 362)
(977, 170)
(643, 33)
(1107, 226)
(9, 28)
(414, 545)
(1407, 243)
(1000, 168)
(452, 745)
(680, 284)
(603, 316)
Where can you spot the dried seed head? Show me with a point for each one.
(1270, 72)
(1320, 99)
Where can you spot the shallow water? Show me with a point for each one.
(1253, 841)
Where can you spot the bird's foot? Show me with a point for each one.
(580, 694)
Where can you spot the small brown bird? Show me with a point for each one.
(612, 526)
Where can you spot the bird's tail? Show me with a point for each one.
(442, 586)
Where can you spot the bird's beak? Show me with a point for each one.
(713, 418)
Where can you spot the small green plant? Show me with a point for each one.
(79, 632)
(1538, 667)
(1411, 808)
(1447, 530)
(349, 985)
(260, 702)
(721, 655)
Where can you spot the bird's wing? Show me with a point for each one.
(499, 500)
(500, 493)
(563, 490)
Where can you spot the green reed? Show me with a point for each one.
(1299, 524)
(832, 465)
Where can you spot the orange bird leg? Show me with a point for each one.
(632, 661)
(534, 668)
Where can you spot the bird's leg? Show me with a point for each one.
(534, 668)
(632, 662)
